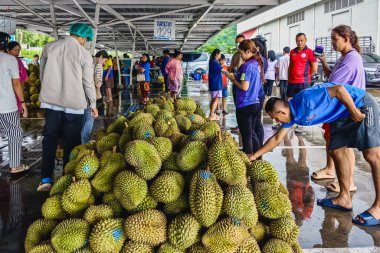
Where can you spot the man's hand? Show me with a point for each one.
(357, 115)
(24, 110)
(94, 112)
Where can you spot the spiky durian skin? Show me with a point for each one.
(225, 236)
(87, 167)
(130, 189)
(285, 229)
(107, 236)
(206, 197)
(134, 247)
(171, 163)
(168, 248)
(263, 171)
(70, 235)
(277, 246)
(147, 227)
(61, 185)
(197, 248)
(167, 187)
(79, 191)
(163, 145)
(95, 213)
(147, 203)
(177, 206)
(259, 231)
(192, 155)
(37, 232)
(111, 200)
(107, 142)
(144, 157)
(52, 208)
(70, 167)
(249, 246)
(184, 231)
(184, 124)
(43, 248)
(152, 109)
(239, 202)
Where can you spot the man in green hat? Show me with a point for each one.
(67, 89)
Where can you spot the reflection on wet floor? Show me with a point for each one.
(295, 160)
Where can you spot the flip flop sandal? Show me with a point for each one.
(20, 169)
(321, 174)
(327, 202)
(369, 219)
(334, 187)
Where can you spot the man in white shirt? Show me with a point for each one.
(67, 89)
(282, 71)
(10, 87)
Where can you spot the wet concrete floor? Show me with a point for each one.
(296, 159)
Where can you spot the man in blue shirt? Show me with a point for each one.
(353, 115)
(165, 60)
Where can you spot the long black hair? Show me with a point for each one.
(12, 45)
(147, 56)
(271, 55)
(213, 54)
(260, 42)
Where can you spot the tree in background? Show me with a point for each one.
(224, 40)
(32, 39)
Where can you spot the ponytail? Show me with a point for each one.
(346, 32)
(249, 45)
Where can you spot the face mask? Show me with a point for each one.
(87, 45)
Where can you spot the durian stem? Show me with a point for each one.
(114, 149)
(219, 135)
(74, 179)
(93, 153)
(126, 124)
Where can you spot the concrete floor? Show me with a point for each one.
(321, 229)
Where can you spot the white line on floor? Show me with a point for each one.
(343, 250)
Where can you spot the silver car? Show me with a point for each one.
(194, 62)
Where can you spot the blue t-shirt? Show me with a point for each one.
(215, 76)
(249, 71)
(163, 65)
(315, 106)
(146, 66)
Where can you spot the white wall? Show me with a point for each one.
(364, 18)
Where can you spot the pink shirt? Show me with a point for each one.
(22, 71)
(174, 69)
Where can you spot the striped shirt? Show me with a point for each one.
(8, 72)
(98, 74)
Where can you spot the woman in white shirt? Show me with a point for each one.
(270, 74)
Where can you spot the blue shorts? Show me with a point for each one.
(225, 92)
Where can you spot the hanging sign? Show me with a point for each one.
(7, 22)
(164, 29)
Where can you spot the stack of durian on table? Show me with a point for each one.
(165, 180)
(32, 87)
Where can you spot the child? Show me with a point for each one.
(222, 62)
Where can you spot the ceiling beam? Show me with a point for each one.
(89, 19)
(32, 11)
(65, 8)
(196, 23)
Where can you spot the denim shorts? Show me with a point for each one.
(225, 92)
(361, 135)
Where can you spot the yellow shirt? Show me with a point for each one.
(108, 64)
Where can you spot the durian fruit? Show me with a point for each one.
(177, 206)
(152, 109)
(147, 227)
(147, 203)
(196, 119)
(94, 214)
(52, 208)
(277, 246)
(77, 197)
(70, 235)
(186, 104)
(210, 129)
(163, 114)
(126, 137)
(197, 135)
(177, 139)
(61, 185)
(297, 247)
(271, 203)
(74, 153)
(111, 200)
(249, 246)
(197, 248)
(239, 202)
(141, 118)
(69, 168)
(184, 231)
(225, 236)
(37, 232)
(103, 179)
(144, 157)
(143, 131)
(130, 189)
(107, 142)
(184, 124)
(263, 171)
(192, 155)
(171, 162)
(87, 167)
(259, 231)
(168, 248)
(107, 236)
(285, 229)
(163, 146)
(200, 111)
(117, 126)
(134, 247)
(161, 127)
(167, 187)
(43, 248)
(226, 164)
(84, 250)
(206, 197)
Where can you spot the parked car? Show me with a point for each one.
(371, 63)
(194, 62)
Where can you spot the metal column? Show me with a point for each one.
(97, 11)
(117, 58)
(133, 56)
(52, 13)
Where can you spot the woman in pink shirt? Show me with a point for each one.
(14, 49)
(175, 72)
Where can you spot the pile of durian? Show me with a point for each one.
(32, 87)
(165, 180)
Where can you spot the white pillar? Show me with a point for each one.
(132, 57)
(97, 11)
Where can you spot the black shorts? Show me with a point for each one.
(294, 88)
(361, 135)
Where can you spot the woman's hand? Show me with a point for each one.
(322, 58)
(24, 113)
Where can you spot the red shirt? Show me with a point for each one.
(224, 77)
(300, 65)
